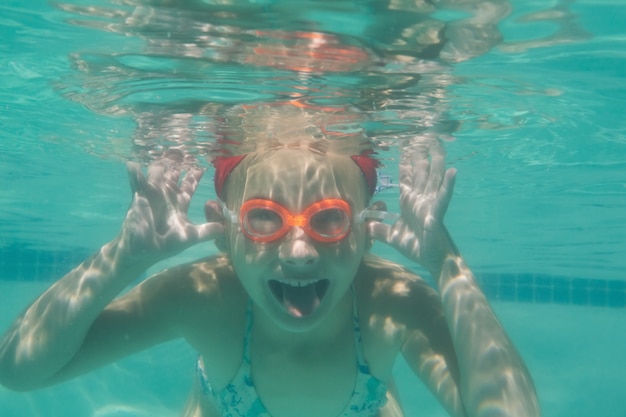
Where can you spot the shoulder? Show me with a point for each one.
(197, 289)
(204, 277)
(394, 305)
(386, 281)
(391, 290)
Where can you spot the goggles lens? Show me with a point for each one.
(325, 221)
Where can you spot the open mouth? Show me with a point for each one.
(299, 298)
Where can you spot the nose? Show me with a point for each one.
(297, 252)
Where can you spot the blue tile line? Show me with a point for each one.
(540, 288)
(21, 263)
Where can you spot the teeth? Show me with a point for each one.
(299, 283)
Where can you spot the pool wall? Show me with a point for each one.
(23, 264)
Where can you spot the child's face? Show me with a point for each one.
(296, 277)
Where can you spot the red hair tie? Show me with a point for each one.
(223, 167)
(368, 167)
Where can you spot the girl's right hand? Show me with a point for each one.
(156, 225)
(425, 191)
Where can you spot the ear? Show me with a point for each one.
(213, 214)
(376, 206)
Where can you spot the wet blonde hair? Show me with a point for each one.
(341, 166)
(257, 131)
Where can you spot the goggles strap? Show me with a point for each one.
(229, 214)
(376, 215)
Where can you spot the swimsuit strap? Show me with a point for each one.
(244, 368)
(240, 399)
(360, 355)
(248, 336)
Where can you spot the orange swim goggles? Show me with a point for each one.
(327, 221)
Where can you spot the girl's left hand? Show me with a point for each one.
(425, 192)
(156, 225)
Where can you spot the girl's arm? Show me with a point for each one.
(493, 380)
(46, 338)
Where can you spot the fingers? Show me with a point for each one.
(188, 186)
(164, 178)
(379, 231)
(424, 176)
(213, 229)
(446, 192)
(171, 175)
(213, 212)
(421, 173)
(163, 171)
(435, 175)
(397, 236)
(406, 177)
(191, 180)
(206, 231)
(167, 168)
(135, 176)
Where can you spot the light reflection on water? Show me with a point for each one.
(389, 62)
(176, 69)
(127, 80)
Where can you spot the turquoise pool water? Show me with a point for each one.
(528, 99)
